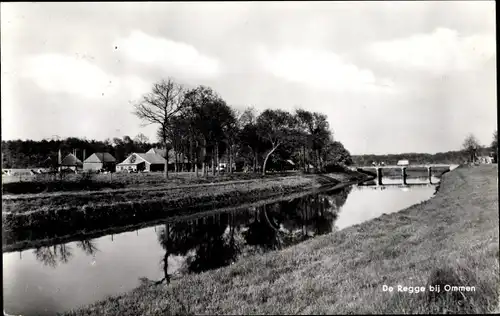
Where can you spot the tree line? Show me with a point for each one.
(44, 153)
(199, 129)
(471, 149)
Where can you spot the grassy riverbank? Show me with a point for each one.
(95, 182)
(450, 239)
(67, 212)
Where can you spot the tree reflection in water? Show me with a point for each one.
(217, 240)
(88, 246)
(53, 255)
(206, 243)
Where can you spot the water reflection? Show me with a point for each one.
(50, 256)
(217, 240)
(88, 246)
(164, 252)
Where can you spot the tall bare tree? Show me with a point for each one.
(141, 138)
(159, 107)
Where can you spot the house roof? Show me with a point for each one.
(100, 157)
(171, 154)
(137, 158)
(71, 160)
(152, 158)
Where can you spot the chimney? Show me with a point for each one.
(83, 154)
(59, 157)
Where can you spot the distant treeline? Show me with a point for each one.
(449, 157)
(199, 129)
(35, 154)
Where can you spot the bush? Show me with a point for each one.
(332, 167)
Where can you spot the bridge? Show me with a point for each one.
(404, 168)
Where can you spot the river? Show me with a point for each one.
(55, 278)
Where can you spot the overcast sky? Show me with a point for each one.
(391, 76)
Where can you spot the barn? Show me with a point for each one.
(71, 162)
(182, 161)
(99, 161)
(142, 162)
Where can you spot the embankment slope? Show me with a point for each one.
(450, 239)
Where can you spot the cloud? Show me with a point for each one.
(179, 58)
(136, 87)
(321, 70)
(67, 74)
(439, 52)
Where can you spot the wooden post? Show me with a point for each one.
(403, 175)
(429, 172)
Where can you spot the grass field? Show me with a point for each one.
(78, 182)
(451, 239)
(66, 212)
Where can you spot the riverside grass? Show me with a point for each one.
(71, 211)
(451, 239)
(93, 182)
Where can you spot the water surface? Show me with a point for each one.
(59, 277)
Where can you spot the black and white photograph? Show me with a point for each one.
(249, 158)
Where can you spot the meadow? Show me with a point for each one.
(120, 180)
(451, 239)
(98, 209)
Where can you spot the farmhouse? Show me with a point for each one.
(142, 162)
(71, 162)
(98, 161)
(182, 161)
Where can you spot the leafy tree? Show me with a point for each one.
(314, 135)
(275, 127)
(231, 130)
(212, 119)
(335, 153)
(304, 120)
(470, 146)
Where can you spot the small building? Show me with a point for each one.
(288, 165)
(182, 161)
(485, 159)
(403, 162)
(142, 162)
(70, 162)
(100, 161)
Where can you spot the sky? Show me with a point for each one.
(392, 77)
